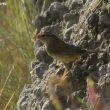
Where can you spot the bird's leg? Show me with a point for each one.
(59, 64)
(65, 74)
(68, 66)
(66, 69)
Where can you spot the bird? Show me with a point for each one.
(58, 49)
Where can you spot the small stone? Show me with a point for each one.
(40, 69)
(47, 106)
(34, 63)
(74, 4)
(102, 70)
(93, 20)
(92, 68)
(42, 56)
(67, 33)
(103, 58)
(104, 19)
(71, 16)
(99, 37)
(107, 79)
(108, 68)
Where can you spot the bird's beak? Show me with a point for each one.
(35, 37)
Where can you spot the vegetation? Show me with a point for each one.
(16, 49)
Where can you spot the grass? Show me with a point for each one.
(16, 49)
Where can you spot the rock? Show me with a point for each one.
(41, 21)
(23, 98)
(93, 20)
(108, 68)
(102, 70)
(92, 68)
(99, 38)
(57, 10)
(70, 19)
(105, 34)
(71, 16)
(103, 58)
(67, 33)
(88, 2)
(74, 4)
(22, 104)
(55, 29)
(34, 63)
(92, 57)
(47, 106)
(42, 56)
(40, 69)
(104, 17)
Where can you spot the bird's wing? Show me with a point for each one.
(66, 49)
(72, 49)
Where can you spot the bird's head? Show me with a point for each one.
(45, 37)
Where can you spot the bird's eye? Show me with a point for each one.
(43, 35)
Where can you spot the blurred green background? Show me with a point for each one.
(16, 49)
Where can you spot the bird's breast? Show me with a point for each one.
(61, 56)
(65, 58)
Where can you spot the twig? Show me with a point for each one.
(9, 101)
(10, 72)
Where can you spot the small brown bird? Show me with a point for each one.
(58, 49)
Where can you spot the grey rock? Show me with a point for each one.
(108, 68)
(105, 35)
(70, 19)
(103, 58)
(88, 2)
(22, 104)
(57, 10)
(55, 29)
(36, 99)
(67, 33)
(42, 56)
(92, 68)
(104, 19)
(93, 20)
(74, 4)
(34, 63)
(47, 106)
(41, 21)
(71, 16)
(40, 69)
(103, 70)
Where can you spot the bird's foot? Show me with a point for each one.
(59, 64)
